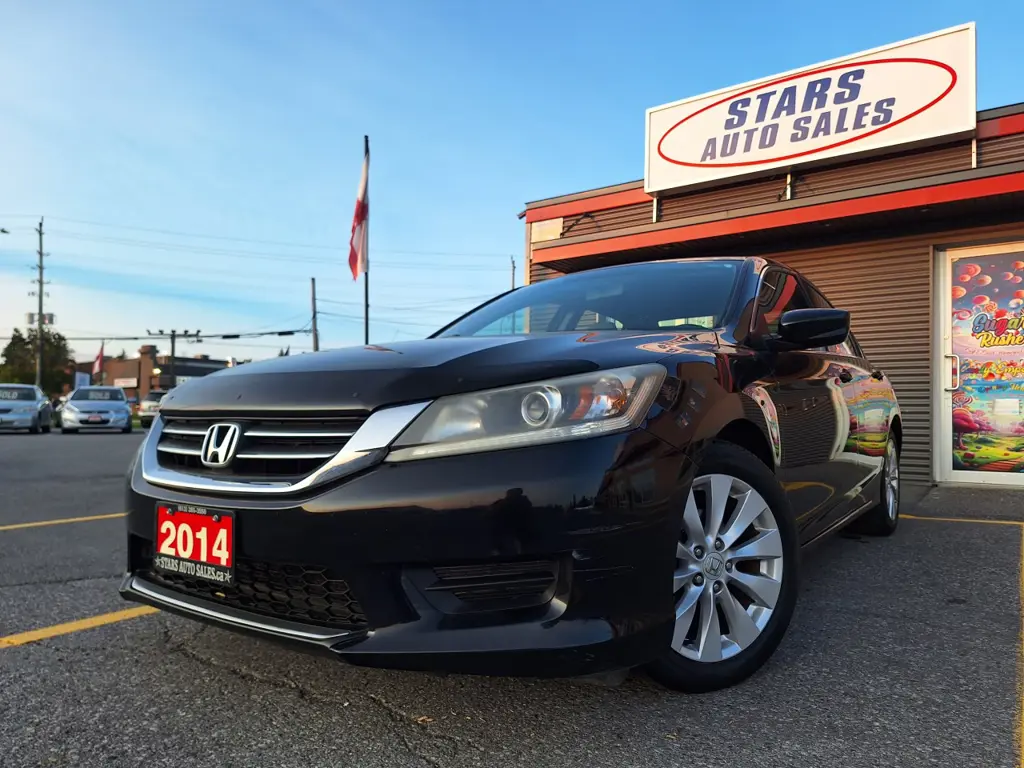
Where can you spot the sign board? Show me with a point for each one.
(82, 379)
(906, 93)
(126, 383)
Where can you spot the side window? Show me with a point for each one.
(536, 318)
(780, 292)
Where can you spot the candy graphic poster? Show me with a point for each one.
(988, 337)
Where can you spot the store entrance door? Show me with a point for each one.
(980, 398)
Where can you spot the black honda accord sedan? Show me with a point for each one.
(614, 469)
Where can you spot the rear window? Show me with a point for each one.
(99, 394)
(17, 393)
(154, 397)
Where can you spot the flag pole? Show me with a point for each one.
(366, 272)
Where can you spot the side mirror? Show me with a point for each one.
(813, 328)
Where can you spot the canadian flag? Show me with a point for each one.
(359, 244)
(97, 366)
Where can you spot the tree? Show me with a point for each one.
(19, 360)
(963, 423)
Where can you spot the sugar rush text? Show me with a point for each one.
(820, 108)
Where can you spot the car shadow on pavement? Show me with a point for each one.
(884, 644)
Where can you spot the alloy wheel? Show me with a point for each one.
(729, 569)
(892, 480)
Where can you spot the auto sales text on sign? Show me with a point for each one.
(909, 92)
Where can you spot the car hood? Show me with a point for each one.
(91, 406)
(368, 377)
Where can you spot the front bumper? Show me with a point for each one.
(107, 421)
(18, 420)
(601, 516)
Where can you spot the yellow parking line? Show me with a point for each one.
(41, 523)
(74, 626)
(1018, 523)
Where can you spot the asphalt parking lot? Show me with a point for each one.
(903, 652)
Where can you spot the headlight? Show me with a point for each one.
(569, 408)
(69, 408)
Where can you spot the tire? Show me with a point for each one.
(34, 429)
(46, 429)
(724, 588)
(127, 430)
(883, 518)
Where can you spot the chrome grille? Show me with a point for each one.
(278, 448)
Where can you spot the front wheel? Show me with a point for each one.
(735, 581)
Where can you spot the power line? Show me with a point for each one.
(261, 255)
(279, 243)
(352, 318)
(67, 259)
(424, 304)
(198, 335)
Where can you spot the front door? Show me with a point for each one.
(980, 434)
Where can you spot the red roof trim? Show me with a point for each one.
(1001, 126)
(589, 205)
(911, 198)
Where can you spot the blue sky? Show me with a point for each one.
(133, 127)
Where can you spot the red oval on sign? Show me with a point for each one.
(927, 62)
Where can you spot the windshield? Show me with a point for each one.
(17, 393)
(153, 397)
(643, 297)
(98, 394)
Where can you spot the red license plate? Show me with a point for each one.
(95, 418)
(195, 542)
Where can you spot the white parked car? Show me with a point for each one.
(96, 408)
(149, 408)
(23, 406)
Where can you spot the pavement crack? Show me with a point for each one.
(409, 728)
(50, 582)
(402, 717)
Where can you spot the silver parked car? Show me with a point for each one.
(96, 408)
(24, 406)
(149, 408)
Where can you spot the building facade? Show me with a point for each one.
(920, 234)
(139, 374)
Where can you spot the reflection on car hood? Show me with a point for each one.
(365, 378)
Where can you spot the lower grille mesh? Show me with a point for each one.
(301, 593)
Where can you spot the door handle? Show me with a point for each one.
(956, 386)
(845, 376)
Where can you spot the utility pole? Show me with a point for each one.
(39, 316)
(513, 271)
(316, 334)
(174, 338)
